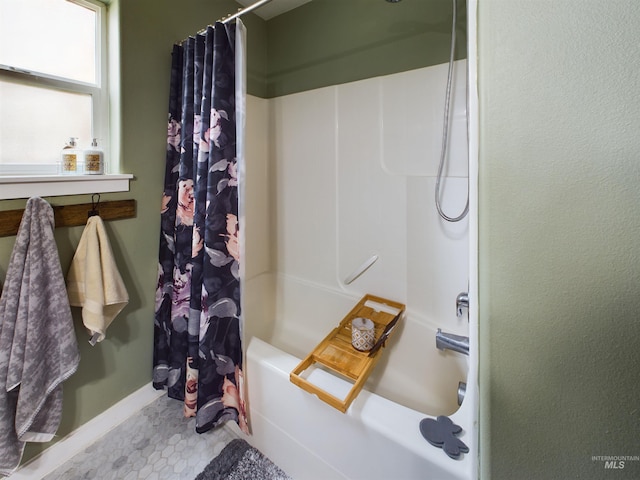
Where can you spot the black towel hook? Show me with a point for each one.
(94, 205)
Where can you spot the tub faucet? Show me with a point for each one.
(462, 301)
(449, 341)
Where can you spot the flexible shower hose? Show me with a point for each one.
(445, 127)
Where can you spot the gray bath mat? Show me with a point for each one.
(240, 461)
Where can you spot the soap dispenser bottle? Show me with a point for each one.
(70, 157)
(94, 159)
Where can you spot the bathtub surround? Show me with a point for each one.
(372, 196)
(351, 173)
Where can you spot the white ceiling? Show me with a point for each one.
(273, 8)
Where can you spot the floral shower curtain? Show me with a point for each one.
(198, 353)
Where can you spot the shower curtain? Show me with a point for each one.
(198, 353)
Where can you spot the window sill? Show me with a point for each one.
(12, 187)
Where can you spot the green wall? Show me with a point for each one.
(559, 230)
(328, 42)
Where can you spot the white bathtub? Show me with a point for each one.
(378, 437)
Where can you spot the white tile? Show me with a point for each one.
(168, 451)
(131, 476)
(175, 439)
(155, 456)
(180, 465)
(145, 471)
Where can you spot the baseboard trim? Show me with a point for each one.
(76, 441)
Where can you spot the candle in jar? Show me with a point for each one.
(363, 334)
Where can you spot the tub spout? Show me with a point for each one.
(449, 341)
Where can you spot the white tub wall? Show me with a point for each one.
(304, 187)
(437, 252)
(323, 158)
(413, 107)
(349, 183)
(371, 203)
(259, 296)
(337, 194)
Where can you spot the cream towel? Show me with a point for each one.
(93, 281)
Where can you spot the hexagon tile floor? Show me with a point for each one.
(154, 444)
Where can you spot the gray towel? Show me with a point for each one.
(38, 347)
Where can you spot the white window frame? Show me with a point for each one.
(23, 181)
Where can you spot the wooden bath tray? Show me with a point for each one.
(336, 354)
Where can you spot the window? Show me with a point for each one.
(53, 81)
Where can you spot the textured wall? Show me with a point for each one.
(559, 229)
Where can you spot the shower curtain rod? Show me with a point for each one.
(233, 16)
(248, 9)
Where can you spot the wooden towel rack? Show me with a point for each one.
(71, 215)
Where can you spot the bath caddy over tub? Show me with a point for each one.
(337, 355)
